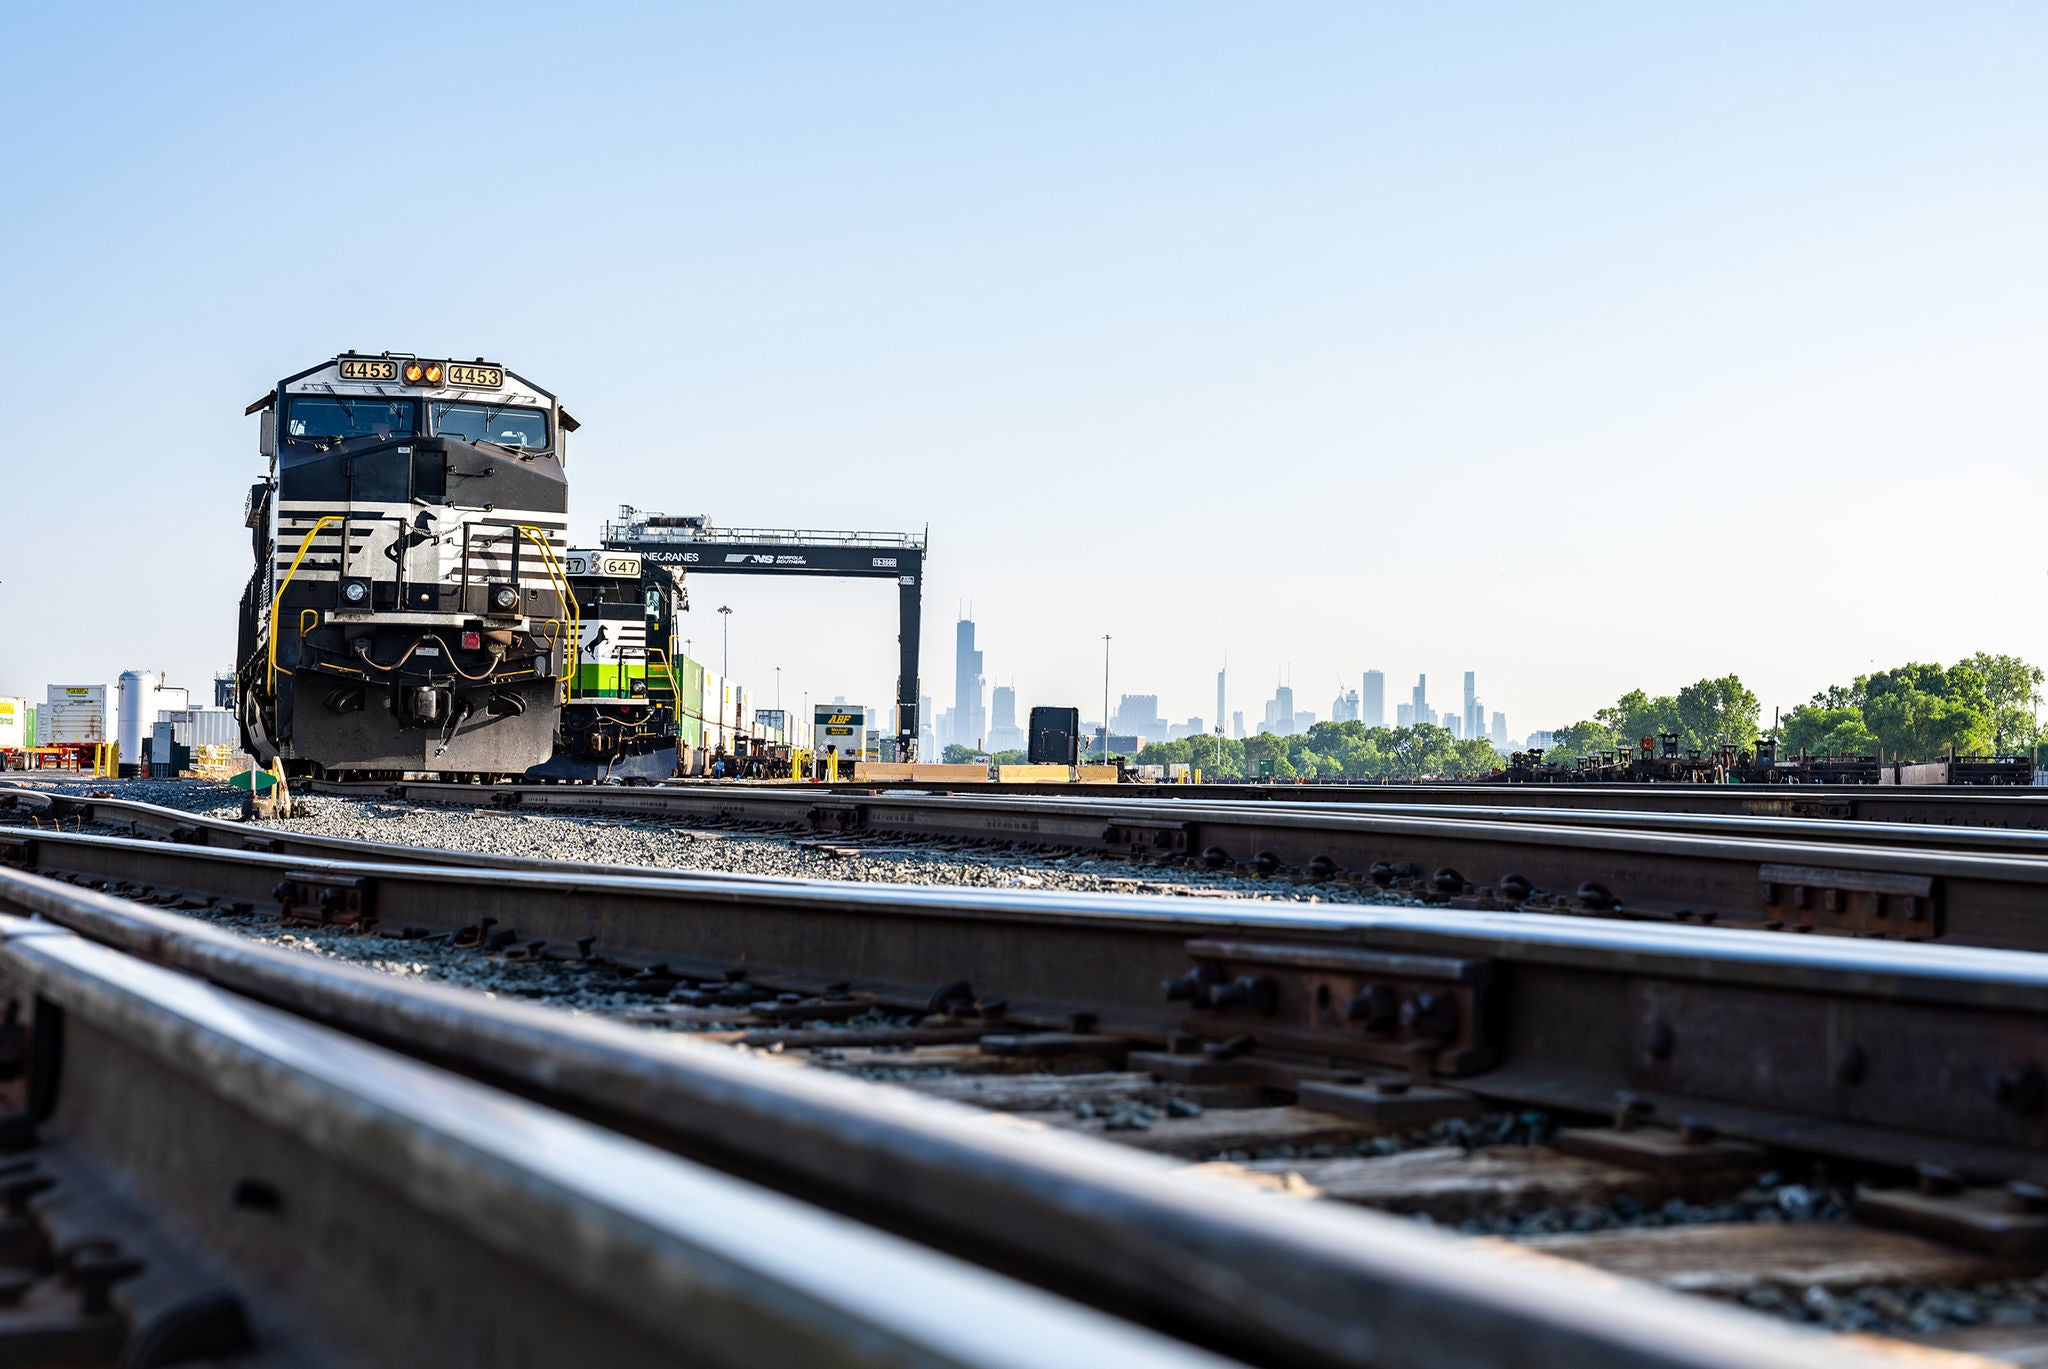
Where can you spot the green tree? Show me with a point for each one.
(956, 754)
(2013, 689)
(1266, 754)
(1713, 711)
(1473, 758)
(1579, 739)
(1920, 711)
(1818, 731)
(1636, 715)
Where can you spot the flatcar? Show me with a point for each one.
(408, 612)
(620, 720)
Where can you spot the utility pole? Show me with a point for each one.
(1105, 698)
(725, 650)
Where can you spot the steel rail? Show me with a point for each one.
(1282, 1282)
(1885, 1052)
(1829, 879)
(2018, 806)
(412, 1216)
(192, 829)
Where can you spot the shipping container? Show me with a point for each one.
(13, 724)
(75, 713)
(202, 726)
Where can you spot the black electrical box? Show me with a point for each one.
(1055, 737)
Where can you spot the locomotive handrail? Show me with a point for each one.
(572, 661)
(304, 547)
(668, 667)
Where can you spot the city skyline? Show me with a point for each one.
(1143, 715)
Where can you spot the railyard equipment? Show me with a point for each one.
(693, 545)
(407, 610)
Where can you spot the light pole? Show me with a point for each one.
(725, 650)
(1105, 698)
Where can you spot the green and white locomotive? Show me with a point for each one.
(623, 718)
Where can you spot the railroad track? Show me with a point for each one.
(1280, 1044)
(1966, 886)
(2024, 807)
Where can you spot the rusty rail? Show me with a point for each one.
(1966, 887)
(571, 1239)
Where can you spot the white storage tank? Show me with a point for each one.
(135, 713)
(74, 713)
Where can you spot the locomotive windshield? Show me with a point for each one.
(338, 417)
(500, 424)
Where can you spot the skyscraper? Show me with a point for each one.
(1500, 731)
(970, 722)
(1003, 732)
(1404, 715)
(1220, 714)
(1419, 706)
(1372, 699)
(1475, 720)
(1137, 715)
(1237, 724)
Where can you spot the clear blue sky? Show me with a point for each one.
(1584, 346)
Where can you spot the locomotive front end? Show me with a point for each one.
(409, 611)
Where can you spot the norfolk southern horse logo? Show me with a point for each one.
(422, 530)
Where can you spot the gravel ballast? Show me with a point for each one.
(712, 848)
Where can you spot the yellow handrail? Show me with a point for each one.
(668, 668)
(304, 547)
(571, 660)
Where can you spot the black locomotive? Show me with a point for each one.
(409, 610)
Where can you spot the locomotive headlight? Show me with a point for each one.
(504, 598)
(433, 373)
(355, 593)
(413, 372)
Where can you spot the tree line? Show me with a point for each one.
(1985, 704)
(1330, 750)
